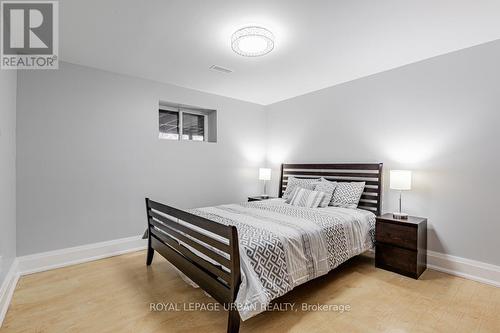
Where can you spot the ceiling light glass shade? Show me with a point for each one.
(252, 41)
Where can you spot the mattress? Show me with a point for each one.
(283, 246)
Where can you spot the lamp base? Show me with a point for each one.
(400, 216)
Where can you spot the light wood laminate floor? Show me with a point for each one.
(114, 295)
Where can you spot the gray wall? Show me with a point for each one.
(88, 154)
(8, 85)
(439, 118)
(88, 150)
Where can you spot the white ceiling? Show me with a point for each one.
(318, 43)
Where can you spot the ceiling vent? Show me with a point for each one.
(220, 69)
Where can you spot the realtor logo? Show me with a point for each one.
(30, 37)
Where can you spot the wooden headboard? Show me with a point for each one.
(370, 173)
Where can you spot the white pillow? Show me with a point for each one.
(289, 199)
(306, 198)
(293, 182)
(347, 195)
(326, 187)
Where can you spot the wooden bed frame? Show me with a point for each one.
(169, 228)
(371, 174)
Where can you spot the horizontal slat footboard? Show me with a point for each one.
(205, 251)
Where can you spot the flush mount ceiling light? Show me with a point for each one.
(252, 41)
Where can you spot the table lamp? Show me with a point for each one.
(265, 175)
(401, 181)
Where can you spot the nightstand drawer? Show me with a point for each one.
(395, 234)
(396, 259)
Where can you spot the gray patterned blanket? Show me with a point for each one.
(282, 246)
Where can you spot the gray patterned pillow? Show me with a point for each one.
(294, 182)
(347, 195)
(306, 198)
(326, 187)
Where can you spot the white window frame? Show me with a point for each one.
(180, 112)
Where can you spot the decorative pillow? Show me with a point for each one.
(306, 198)
(294, 182)
(290, 197)
(347, 195)
(326, 187)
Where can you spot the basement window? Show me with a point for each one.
(187, 123)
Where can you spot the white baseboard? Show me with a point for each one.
(7, 289)
(61, 258)
(466, 268)
(76, 255)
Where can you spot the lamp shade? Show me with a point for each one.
(264, 174)
(400, 180)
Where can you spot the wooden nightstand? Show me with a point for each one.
(401, 245)
(259, 198)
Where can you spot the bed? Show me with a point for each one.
(246, 255)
